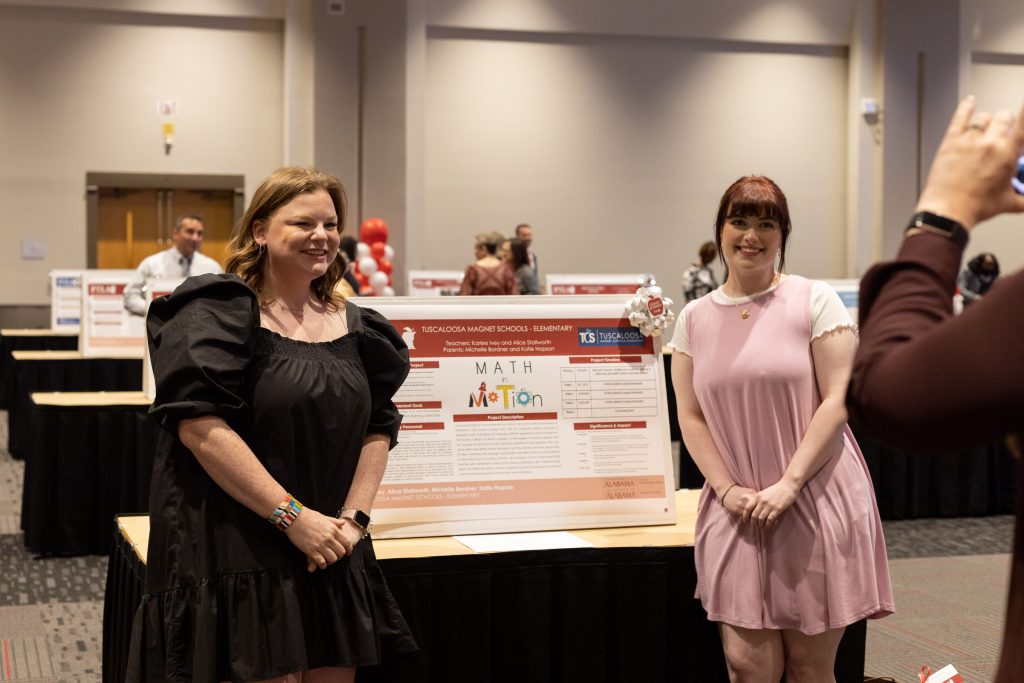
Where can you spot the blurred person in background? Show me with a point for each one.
(348, 286)
(181, 260)
(488, 275)
(526, 277)
(977, 276)
(524, 232)
(698, 279)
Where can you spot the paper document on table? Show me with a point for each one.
(540, 540)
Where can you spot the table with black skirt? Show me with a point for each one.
(960, 483)
(48, 371)
(12, 339)
(90, 457)
(621, 611)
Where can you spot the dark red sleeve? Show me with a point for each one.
(923, 378)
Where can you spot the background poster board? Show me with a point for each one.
(65, 300)
(108, 329)
(434, 282)
(849, 292)
(593, 283)
(155, 288)
(520, 416)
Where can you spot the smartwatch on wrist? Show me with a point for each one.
(357, 517)
(939, 225)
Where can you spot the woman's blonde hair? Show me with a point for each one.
(489, 241)
(248, 260)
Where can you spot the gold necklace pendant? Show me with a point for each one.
(745, 313)
(298, 313)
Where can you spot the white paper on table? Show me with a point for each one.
(946, 674)
(539, 540)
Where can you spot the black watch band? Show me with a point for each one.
(940, 225)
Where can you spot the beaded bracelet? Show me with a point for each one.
(286, 513)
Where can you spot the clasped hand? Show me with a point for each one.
(762, 507)
(324, 540)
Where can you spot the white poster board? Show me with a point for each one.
(154, 289)
(594, 283)
(65, 300)
(531, 416)
(108, 329)
(434, 282)
(849, 292)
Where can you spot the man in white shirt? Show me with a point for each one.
(181, 260)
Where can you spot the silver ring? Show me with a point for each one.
(976, 126)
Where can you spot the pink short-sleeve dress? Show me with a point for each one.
(823, 565)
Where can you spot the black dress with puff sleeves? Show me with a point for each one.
(228, 596)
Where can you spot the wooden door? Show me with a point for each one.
(136, 222)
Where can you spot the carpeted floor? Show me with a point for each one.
(949, 610)
(949, 578)
(51, 611)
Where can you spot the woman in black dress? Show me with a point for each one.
(275, 400)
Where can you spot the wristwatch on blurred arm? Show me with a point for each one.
(939, 225)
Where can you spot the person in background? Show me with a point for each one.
(924, 379)
(350, 287)
(525, 233)
(789, 548)
(181, 260)
(526, 278)
(488, 275)
(698, 279)
(274, 398)
(977, 276)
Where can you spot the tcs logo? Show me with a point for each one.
(610, 336)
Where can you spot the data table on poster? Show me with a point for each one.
(617, 392)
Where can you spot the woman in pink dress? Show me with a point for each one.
(789, 545)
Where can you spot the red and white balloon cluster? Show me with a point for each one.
(373, 259)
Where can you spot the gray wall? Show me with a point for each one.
(921, 91)
(617, 149)
(366, 149)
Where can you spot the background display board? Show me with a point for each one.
(434, 282)
(108, 329)
(849, 292)
(525, 416)
(594, 283)
(155, 288)
(65, 300)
